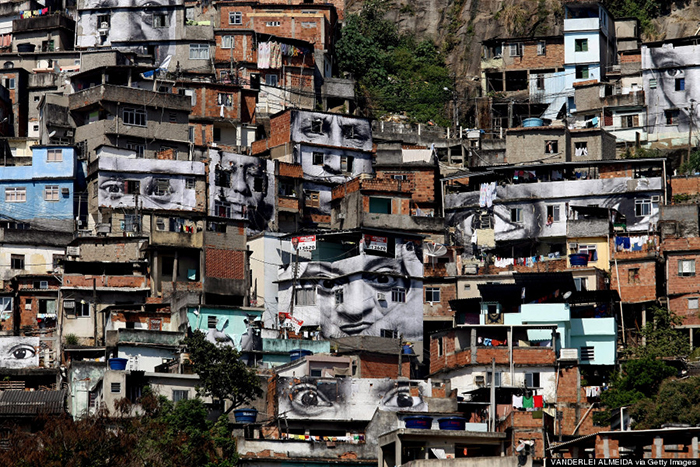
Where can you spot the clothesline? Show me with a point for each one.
(532, 402)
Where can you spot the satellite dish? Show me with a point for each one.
(52, 134)
(567, 295)
(435, 249)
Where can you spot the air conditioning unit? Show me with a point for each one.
(65, 191)
(28, 306)
(568, 354)
(68, 304)
(655, 199)
(573, 246)
(381, 297)
(69, 133)
(479, 380)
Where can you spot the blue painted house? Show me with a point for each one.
(44, 193)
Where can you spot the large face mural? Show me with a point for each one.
(331, 130)
(242, 187)
(349, 399)
(19, 352)
(157, 184)
(671, 80)
(128, 23)
(366, 295)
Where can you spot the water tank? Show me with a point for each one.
(530, 122)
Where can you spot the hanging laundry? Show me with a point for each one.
(538, 402)
(517, 402)
(528, 402)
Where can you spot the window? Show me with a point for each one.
(389, 333)
(305, 296)
(271, 80)
(553, 213)
(581, 149)
(581, 284)
(16, 261)
(227, 42)
(312, 199)
(693, 303)
(189, 92)
(132, 187)
(652, 83)
(217, 134)
(680, 84)
(225, 99)
(222, 209)
(349, 131)
(633, 276)
(134, 117)
(587, 353)
(400, 177)
(581, 71)
(317, 126)
(339, 297)
(286, 188)
(541, 48)
(379, 205)
(671, 116)
(516, 50)
(82, 309)
(130, 223)
(180, 395)
(54, 155)
(398, 295)
(467, 286)
(235, 17)
(139, 149)
(346, 163)
(686, 267)
(272, 24)
(432, 294)
(51, 193)
(581, 45)
(10, 83)
(642, 207)
(318, 158)
(103, 21)
(532, 380)
(160, 20)
(116, 388)
(57, 260)
(629, 121)
(199, 52)
(540, 82)
(496, 380)
(189, 184)
(516, 214)
(190, 134)
(162, 187)
(590, 250)
(551, 147)
(440, 346)
(5, 308)
(211, 322)
(16, 195)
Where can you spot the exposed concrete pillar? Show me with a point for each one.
(694, 448)
(397, 452)
(658, 450)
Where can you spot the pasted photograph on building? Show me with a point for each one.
(370, 294)
(242, 187)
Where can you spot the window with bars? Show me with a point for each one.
(686, 267)
(16, 261)
(305, 296)
(136, 117)
(235, 17)
(587, 353)
(199, 51)
(398, 295)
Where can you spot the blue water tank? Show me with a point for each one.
(297, 354)
(530, 122)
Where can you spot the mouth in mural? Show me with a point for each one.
(355, 328)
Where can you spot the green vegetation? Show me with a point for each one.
(644, 10)
(394, 73)
(691, 167)
(221, 372)
(641, 379)
(166, 435)
(71, 339)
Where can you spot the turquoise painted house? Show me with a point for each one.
(594, 338)
(227, 320)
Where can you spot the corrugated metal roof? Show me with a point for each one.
(29, 403)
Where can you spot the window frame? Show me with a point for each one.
(199, 52)
(229, 43)
(542, 48)
(431, 293)
(516, 215)
(696, 303)
(17, 262)
(515, 49)
(307, 298)
(52, 193)
(583, 72)
(133, 116)
(398, 295)
(54, 155)
(235, 17)
(16, 194)
(642, 205)
(581, 45)
(690, 272)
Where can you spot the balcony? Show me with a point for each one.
(177, 239)
(126, 95)
(581, 24)
(402, 222)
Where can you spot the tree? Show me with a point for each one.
(677, 401)
(221, 372)
(660, 337)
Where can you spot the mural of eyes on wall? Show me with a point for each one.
(19, 352)
(349, 399)
(118, 22)
(364, 295)
(671, 80)
(331, 130)
(242, 187)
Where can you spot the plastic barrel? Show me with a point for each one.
(245, 415)
(530, 122)
(452, 423)
(118, 363)
(578, 259)
(419, 421)
(297, 354)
